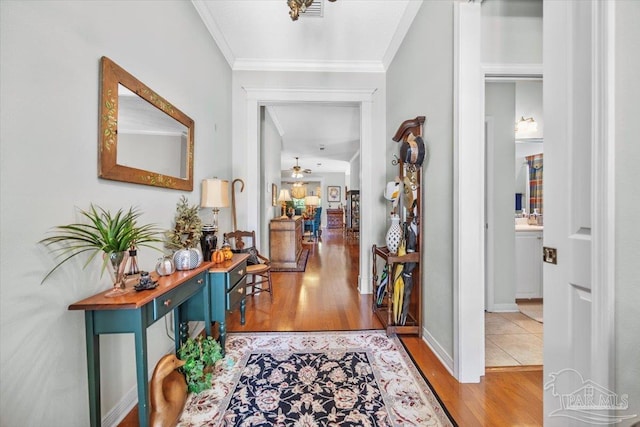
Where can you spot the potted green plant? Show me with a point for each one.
(184, 238)
(200, 355)
(107, 233)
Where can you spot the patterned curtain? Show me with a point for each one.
(535, 183)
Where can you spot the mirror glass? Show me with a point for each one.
(143, 138)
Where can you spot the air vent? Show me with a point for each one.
(314, 10)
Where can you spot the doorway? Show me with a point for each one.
(246, 158)
(513, 271)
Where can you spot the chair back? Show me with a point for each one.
(317, 216)
(240, 240)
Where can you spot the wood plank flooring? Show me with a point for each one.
(325, 297)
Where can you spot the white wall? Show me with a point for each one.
(354, 177)
(500, 101)
(420, 83)
(512, 32)
(270, 174)
(627, 206)
(49, 58)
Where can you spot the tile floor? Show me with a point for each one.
(512, 339)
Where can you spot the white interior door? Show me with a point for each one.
(575, 370)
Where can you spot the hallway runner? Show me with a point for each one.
(352, 378)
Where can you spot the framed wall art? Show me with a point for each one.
(333, 193)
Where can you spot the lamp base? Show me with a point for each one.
(208, 241)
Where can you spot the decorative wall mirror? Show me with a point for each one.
(143, 138)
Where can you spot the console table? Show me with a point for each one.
(225, 289)
(285, 242)
(134, 312)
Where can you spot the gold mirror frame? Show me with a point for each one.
(112, 76)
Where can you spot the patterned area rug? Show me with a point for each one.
(353, 378)
(301, 266)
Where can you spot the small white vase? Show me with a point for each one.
(394, 235)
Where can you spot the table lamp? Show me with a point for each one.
(312, 201)
(283, 198)
(215, 194)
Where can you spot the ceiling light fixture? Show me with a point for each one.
(297, 171)
(299, 6)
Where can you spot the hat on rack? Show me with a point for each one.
(412, 150)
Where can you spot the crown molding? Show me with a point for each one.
(408, 16)
(248, 64)
(214, 30)
(277, 95)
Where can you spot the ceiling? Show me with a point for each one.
(350, 36)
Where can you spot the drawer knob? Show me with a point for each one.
(241, 290)
(200, 281)
(167, 303)
(241, 272)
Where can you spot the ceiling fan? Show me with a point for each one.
(297, 170)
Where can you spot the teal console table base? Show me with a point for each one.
(188, 293)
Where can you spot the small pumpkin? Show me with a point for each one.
(217, 257)
(228, 254)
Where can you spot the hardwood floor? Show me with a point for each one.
(325, 297)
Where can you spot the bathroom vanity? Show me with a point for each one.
(528, 261)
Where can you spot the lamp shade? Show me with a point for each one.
(215, 193)
(284, 196)
(311, 201)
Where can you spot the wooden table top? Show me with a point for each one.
(136, 299)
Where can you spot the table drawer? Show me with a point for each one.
(235, 295)
(167, 302)
(236, 275)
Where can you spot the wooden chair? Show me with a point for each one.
(258, 266)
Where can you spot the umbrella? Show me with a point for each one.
(407, 272)
(384, 279)
(398, 285)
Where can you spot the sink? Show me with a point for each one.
(521, 221)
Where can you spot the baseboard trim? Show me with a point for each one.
(122, 408)
(521, 368)
(504, 308)
(438, 350)
(526, 300)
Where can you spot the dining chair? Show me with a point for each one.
(258, 266)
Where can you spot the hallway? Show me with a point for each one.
(325, 297)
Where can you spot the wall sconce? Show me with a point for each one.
(526, 125)
(283, 198)
(215, 194)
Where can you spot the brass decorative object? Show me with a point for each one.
(299, 6)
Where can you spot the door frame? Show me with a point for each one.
(469, 184)
(498, 73)
(246, 159)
